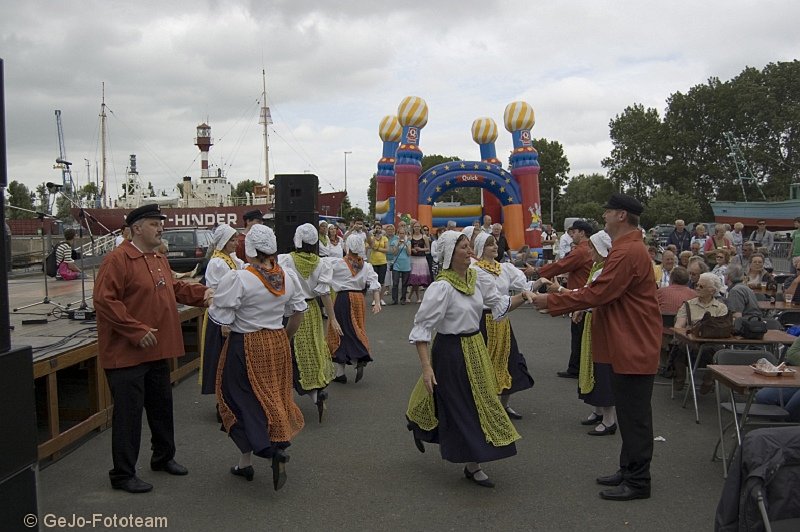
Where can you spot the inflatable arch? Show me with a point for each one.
(402, 191)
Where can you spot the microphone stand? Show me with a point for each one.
(46, 300)
(87, 311)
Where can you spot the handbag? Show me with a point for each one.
(750, 328)
(708, 326)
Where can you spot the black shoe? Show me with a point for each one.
(246, 472)
(393, 303)
(279, 460)
(623, 492)
(485, 483)
(341, 379)
(418, 444)
(610, 480)
(592, 420)
(172, 467)
(567, 375)
(133, 485)
(321, 396)
(608, 431)
(360, 370)
(512, 413)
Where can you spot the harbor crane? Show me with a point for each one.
(62, 163)
(742, 168)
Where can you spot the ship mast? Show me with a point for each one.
(103, 190)
(265, 120)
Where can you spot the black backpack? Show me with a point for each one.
(50, 264)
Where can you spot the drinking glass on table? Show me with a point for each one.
(787, 297)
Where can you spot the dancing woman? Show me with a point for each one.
(509, 364)
(222, 261)
(254, 375)
(313, 369)
(455, 402)
(351, 277)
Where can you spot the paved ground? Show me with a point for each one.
(359, 470)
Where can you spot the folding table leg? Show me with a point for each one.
(692, 390)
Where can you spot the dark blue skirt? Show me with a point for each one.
(251, 430)
(350, 349)
(459, 433)
(601, 394)
(213, 347)
(521, 379)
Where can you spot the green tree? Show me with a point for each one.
(553, 174)
(244, 187)
(584, 197)
(19, 196)
(664, 207)
(371, 193)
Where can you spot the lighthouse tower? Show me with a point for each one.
(204, 142)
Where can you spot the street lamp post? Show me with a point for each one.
(345, 169)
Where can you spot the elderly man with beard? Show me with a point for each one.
(624, 294)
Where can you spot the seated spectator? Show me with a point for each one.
(788, 397)
(741, 300)
(757, 276)
(743, 260)
(697, 266)
(718, 242)
(672, 296)
(67, 269)
(767, 261)
(653, 252)
(707, 288)
(791, 283)
(721, 259)
(664, 270)
(683, 258)
(673, 248)
(700, 239)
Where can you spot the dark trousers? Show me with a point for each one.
(398, 278)
(381, 271)
(576, 332)
(144, 386)
(632, 394)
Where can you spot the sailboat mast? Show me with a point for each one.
(266, 120)
(103, 190)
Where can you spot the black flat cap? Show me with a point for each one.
(622, 202)
(581, 225)
(253, 215)
(145, 211)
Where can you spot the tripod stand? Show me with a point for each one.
(46, 300)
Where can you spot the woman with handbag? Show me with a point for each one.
(707, 287)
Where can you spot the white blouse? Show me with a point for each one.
(317, 284)
(244, 303)
(449, 311)
(217, 268)
(342, 279)
(510, 278)
(335, 251)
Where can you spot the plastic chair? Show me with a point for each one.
(769, 414)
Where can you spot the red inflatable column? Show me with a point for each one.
(519, 120)
(412, 115)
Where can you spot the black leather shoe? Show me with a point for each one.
(567, 375)
(172, 467)
(623, 492)
(322, 395)
(360, 370)
(513, 413)
(608, 431)
(485, 483)
(133, 485)
(592, 421)
(279, 460)
(419, 445)
(610, 480)
(342, 379)
(246, 472)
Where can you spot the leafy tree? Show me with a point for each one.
(244, 187)
(664, 207)
(371, 194)
(584, 197)
(19, 196)
(553, 174)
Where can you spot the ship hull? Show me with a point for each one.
(778, 214)
(102, 221)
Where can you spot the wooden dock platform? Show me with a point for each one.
(72, 396)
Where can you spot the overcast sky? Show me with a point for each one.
(334, 69)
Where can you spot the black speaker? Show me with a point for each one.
(3, 161)
(18, 446)
(296, 192)
(286, 223)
